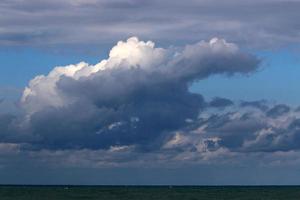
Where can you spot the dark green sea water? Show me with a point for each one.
(145, 193)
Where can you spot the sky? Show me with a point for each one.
(149, 92)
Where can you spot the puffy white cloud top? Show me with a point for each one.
(186, 64)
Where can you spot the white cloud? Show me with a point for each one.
(192, 62)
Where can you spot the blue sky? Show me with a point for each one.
(276, 81)
(149, 92)
(281, 86)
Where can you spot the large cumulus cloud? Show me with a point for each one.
(137, 96)
(135, 107)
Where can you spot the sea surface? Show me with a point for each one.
(149, 192)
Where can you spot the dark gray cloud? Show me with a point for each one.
(257, 23)
(278, 110)
(137, 118)
(219, 102)
(248, 130)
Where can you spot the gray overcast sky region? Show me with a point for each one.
(257, 23)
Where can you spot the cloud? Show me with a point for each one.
(136, 106)
(244, 130)
(278, 110)
(137, 96)
(219, 102)
(132, 59)
(94, 22)
(261, 104)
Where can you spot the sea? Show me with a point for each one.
(21, 192)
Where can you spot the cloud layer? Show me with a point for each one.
(74, 22)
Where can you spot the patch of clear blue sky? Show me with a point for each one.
(278, 79)
(18, 66)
